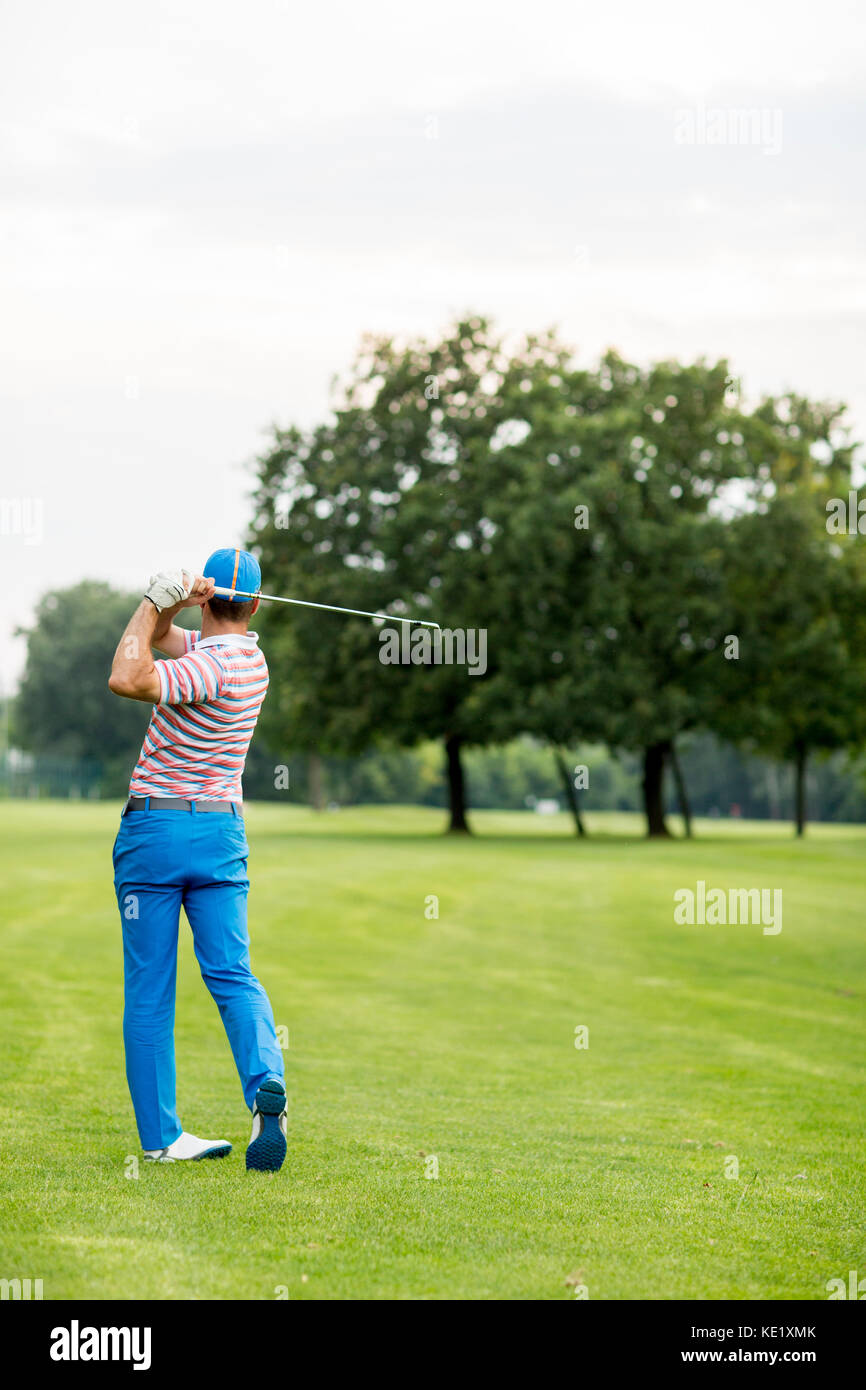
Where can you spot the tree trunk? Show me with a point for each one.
(315, 787)
(570, 791)
(653, 788)
(682, 793)
(456, 786)
(800, 786)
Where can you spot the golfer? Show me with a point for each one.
(182, 841)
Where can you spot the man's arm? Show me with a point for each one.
(133, 673)
(168, 637)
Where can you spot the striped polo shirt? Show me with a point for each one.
(199, 732)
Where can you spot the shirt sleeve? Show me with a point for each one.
(189, 680)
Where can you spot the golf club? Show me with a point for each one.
(332, 608)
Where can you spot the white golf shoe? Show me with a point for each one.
(187, 1146)
(267, 1147)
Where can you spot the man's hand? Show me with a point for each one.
(173, 590)
(202, 589)
(167, 637)
(133, 673)
(176, 589)
(168, 589)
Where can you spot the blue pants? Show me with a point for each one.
(162, 859)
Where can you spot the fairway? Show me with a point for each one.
(421, 1045)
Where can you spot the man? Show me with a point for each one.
(182, 841)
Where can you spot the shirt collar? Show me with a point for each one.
(229, 639)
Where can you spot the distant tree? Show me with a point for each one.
(64, 706)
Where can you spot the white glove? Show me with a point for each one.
(168, 588)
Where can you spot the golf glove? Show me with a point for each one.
(168, 588)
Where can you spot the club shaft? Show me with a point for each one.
(331, 607)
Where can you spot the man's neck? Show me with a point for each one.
(210, 628)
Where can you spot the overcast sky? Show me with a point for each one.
(203, 206)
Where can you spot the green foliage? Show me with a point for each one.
(625, 614)
(64, 706)
(796, 600)
(403, 501)
(607, 528)
(515, 775)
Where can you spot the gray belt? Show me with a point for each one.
(177, 803)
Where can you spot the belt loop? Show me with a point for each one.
(147, 803)
(192, 806)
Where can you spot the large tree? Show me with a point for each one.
(630, 607)
(64, 707)
(581, 519)
(798, 599)
(796, 596)
(403, 501)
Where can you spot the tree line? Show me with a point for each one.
(650, 563)
(646, 557)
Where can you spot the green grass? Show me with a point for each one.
(453, 1038)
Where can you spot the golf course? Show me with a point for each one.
(511, 1073)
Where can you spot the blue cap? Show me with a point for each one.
(234, 569)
